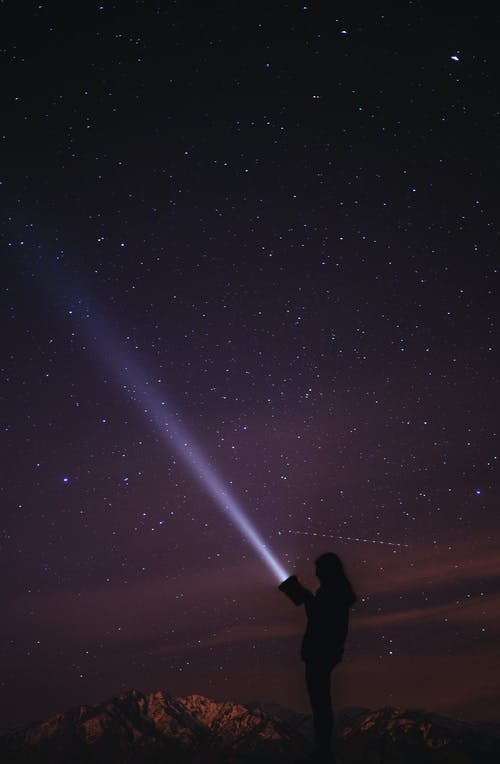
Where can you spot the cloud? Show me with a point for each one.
(450, 683)
(427, 568)
(470, 610)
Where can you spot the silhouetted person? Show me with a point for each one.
(323, 643)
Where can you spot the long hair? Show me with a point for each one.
(330, 571)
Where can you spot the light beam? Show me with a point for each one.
(128, 372)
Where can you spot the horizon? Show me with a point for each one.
(275, 708)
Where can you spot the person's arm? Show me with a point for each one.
(310, 602)
(297, 593)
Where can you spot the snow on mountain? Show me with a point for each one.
(151, 729)
(417, 737)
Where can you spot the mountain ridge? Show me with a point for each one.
(138, 728)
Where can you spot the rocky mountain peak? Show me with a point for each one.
(155, 728)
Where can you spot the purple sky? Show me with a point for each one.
(289, 222)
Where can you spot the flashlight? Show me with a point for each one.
(293, 590)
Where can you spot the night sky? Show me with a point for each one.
(280, 220)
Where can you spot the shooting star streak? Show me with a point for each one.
(346, 538)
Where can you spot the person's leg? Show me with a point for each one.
(318, 686)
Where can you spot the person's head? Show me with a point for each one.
(330, 571)
(329, 567)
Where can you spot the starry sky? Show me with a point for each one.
(280, 220)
